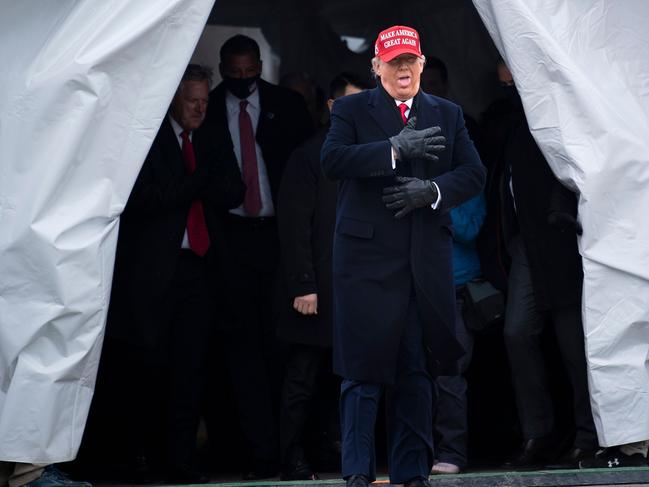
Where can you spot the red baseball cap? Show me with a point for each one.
(397, 40)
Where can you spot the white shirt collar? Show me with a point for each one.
(407, 102)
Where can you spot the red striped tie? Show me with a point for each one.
(250, 172)
(199, 239)
(404, 108)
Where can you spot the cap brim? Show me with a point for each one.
(389, 56)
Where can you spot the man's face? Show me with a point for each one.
(504, 75)
(432, 82)
(400, 77)
(189, 104)
(240, 66)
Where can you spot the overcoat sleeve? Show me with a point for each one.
(343, 158)
(297, 200)
(158, 188)
(467, 175)
(164, 185)
(225, 188)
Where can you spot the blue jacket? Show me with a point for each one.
(467, 220)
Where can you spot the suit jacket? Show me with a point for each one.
(284, 123)
(153, 224)
(555, 263)
(306, 215)
(379, 262)
(492, 249)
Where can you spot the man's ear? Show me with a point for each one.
(330, 104)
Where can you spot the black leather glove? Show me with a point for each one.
(565, 221)
(410, 193)
(418, 144)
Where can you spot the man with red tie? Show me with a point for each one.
(265, 123)
(403, 159)
(170, 240)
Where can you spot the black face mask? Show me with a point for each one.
(240, 87)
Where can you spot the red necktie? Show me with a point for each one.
(403, 107)
(252, 200)
(199, 239)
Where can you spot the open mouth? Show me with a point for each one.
(403, 81)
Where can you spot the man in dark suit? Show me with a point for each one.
(545, 281)
(265, 123)
(170, 235)
(394, 300)
(306, 216)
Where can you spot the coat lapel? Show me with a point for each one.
(217, 112)
(266, 112)
(385, 115)
(427, 111)
(171, 147)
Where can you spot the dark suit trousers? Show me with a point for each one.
(303, 368)
(409, 410)
(190, 320)
(172, 374)
(523, 327)
(451, 426)
(253, 354)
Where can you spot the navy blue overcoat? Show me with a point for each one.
(379, 262)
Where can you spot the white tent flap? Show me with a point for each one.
(582, 68)
(84, 88)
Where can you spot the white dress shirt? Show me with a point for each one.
(254, 109)
(178, 130)
(394, 162)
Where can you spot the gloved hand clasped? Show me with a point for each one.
(418, 144)
(410, 193)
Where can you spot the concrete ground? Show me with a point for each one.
(633, 477)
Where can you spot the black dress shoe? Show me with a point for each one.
(571, 459)
(418, 482)
(534, 452)
(357, 481)
(184, 474)
(613, 458)
(299, 470)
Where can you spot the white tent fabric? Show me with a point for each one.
(582, 68)
(84, 88)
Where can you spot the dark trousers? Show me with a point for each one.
(253, 354)
(172, 374)
(303, 368)
(451, 424)
(190, 323)
(523, 327)
(409, 410)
